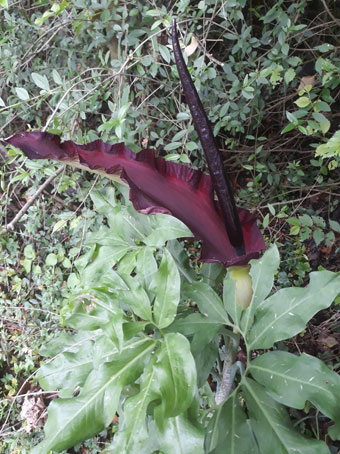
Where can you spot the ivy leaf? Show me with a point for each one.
(272, 426)
(229, 431)
(277, 321)
(166, 285)
(292, 380)
(73, 420)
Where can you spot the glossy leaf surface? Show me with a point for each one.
(292, 380)
(272, 427)
(229, 432)
(262, 272)
(72, 420)
(209, 303)
(286, 313)
(166, 286)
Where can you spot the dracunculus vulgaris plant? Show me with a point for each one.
(229, 234)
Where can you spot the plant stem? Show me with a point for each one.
(228, 372)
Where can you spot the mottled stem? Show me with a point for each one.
(219, 179)
(229, 370)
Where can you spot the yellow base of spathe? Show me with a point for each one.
(244, 289)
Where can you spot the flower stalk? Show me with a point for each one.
(220, 181)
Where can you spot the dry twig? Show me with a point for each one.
(23, 210)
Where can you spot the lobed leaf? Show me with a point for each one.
(209, 303)
(229, 431)
(292, 380)
(175, 377)
(180, 436)
(287, 312)
(272, 427)
(73, 420)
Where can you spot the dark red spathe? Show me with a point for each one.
(156, 186)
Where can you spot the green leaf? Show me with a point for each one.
(292, 380)
(230, 300)
(40, 81)
(51, 260)
(73, 420)
(262, 273)
(98, 269)
(22, 93)
(166, 371)
(305, 219)
(29, 252)
(203, 329)
(133, 436)
(272, 426)
(318, 236)
(166, 285)
(334, 225)
(209, 303)
(180, 436)
(289, 75)
(59, 225)
(164, 228)
(213, 274)
(165, 53)
(304, 101)
(322, 120)
(181, 259)
(204, 333)
(276, 321)
(97, 309)
(104, 201)
(137, 298)
(324, 47)
(56, 77)
(173, 146)
(72, 366)
(183, 116)
(175, 377)
(146, 265)
(4, 3)
(229, 431)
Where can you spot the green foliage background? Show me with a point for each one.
(86, 69)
